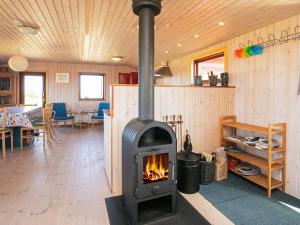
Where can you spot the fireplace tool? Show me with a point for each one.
(173, 123)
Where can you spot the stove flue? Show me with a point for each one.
(148, 146)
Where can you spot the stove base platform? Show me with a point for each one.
(186, 214)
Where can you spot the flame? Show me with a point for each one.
(155, 170)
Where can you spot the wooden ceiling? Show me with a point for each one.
(96, 30)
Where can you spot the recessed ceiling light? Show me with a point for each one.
(196, 35)
(166, 51)
(221, 23)
(28, 30)
(117, 58)
(179, 45)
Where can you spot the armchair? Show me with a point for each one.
(100, 115)
(60, 114)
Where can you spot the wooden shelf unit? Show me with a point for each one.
(229, 127)
(8, 97)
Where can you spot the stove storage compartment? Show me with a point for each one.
(149, 170)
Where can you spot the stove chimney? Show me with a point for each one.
(146, 10)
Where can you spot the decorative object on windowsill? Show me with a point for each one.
(224, 79)
(213, 79)
(257, 49)
(198, 80)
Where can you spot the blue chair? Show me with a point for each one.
(60, 113)
(100, 114)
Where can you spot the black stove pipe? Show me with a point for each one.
(146, 10)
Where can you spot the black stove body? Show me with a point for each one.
(148, 147)
(149, 170)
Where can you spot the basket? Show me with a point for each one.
(207, 172)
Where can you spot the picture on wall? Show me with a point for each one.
(62, 77)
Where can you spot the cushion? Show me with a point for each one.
(39, 123)
(64, 118)
(97, 117)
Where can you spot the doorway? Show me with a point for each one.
(33, 89)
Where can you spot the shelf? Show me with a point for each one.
(249, 127)
(253, 160)
(274, 150)
(260, 180)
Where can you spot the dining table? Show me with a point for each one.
(21, 116)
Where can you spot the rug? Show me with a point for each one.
(245, 203)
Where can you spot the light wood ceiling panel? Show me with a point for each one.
(95, 30)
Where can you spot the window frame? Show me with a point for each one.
(205, 57)
(92, 74)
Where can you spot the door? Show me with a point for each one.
(33, 89)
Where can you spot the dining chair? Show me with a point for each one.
(100, 114)
(60, 114)
(51, 120)
(40, 129)
(6, 132)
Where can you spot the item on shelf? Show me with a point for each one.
(251, 140)
(248, 170)
(224, 79)
(263, 143)
(233, 162)
(235, 138)
(233, 148)
(198, 80)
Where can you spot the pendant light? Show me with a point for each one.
(18, 63)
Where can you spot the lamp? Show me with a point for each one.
(18, 63)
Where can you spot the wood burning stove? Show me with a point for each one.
(149, 170)
(148, 146)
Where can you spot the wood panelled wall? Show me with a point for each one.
(69, 93)
(266, 87)
(200, 109)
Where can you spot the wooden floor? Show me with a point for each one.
(65, 184)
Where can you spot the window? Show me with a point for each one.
(216, 62)
(91, 86)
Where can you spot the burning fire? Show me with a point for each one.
(155, 170)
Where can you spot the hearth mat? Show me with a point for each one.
(186, 214)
